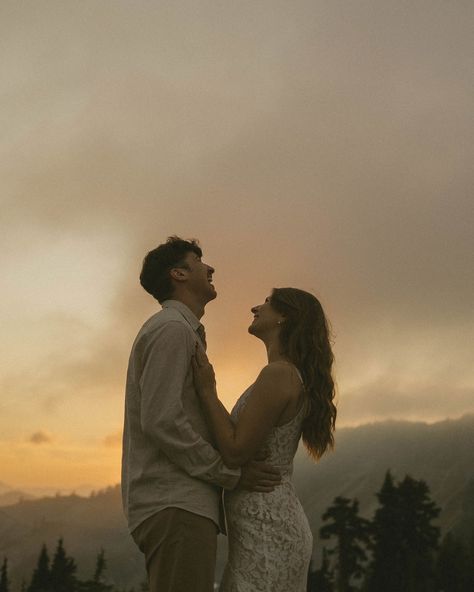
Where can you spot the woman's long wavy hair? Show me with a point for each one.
(305, 341)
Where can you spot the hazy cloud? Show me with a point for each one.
(386, 399)
(321, 145)
(40, 437)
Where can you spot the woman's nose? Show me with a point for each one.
(254, 309)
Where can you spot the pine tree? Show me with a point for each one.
(320, 580)
(63, 571)
(404, 540)
(4, 583)
(453, 567)
(470, 548)
(352, 534)
(385, 571)
(97, 584)
(100, 567)
(40, 581)
(420, 536)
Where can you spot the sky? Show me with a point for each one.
(324, 145)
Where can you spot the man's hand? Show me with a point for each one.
(259, 476)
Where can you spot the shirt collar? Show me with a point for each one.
(184, 311)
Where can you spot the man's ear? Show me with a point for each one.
(178, 274)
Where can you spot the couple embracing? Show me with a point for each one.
(181, 447)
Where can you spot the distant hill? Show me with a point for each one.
(14, 496)
(442, 454)
(10, 495)
(86, 524)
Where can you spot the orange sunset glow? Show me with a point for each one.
(318, 145)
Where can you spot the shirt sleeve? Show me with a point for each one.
(167, 359)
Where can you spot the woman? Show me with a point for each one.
(270, 541)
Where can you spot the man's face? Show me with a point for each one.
(200, 277)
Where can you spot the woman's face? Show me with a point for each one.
(265, 319)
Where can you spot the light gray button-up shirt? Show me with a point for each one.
(168, 460)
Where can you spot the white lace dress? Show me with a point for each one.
(270, 542)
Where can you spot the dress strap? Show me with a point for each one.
(299, 375)
(297, 371)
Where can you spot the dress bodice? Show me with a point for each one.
(282, 442)
(270, 541)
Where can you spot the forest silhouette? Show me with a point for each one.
(397, 551)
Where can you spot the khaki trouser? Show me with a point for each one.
(180, 551)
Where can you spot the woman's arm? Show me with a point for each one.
(273, 390)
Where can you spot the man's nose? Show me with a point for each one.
(209, 268)
(254, 309)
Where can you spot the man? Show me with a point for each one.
(171, 474)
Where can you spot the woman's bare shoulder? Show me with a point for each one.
(282, 375)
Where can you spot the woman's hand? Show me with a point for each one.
(204, 377)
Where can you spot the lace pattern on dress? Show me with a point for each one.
(270, 542)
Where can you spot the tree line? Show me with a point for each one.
(399, 550)
(59, 575)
